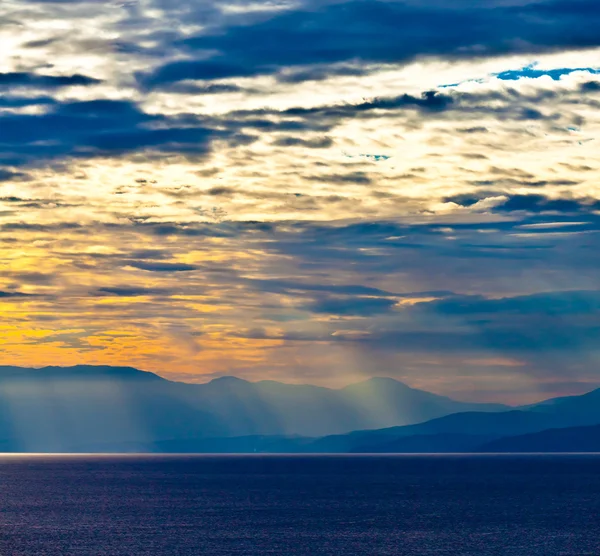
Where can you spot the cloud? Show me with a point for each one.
(291, 181)
(591, 86)
(368, 31)
(540, 203)
(354, 177)
(23, 102)
(317, 143)
(97, 127)
(161, 267)
(132, 291)
(13, 295)
(559, 304)
(39, 81)
(351, 306)
(9, 175)
(202, 70)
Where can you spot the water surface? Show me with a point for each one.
(321, 505)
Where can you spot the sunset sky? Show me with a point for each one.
(305, 191)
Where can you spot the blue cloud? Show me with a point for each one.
(548, 304)
(97, 127)
(128, 291)
(9, 175)
(540, 203)
(22, 102)
(13, 295)
(351, 306)
(371, 31)
(34, 80)
(161, 267)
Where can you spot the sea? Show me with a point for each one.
(461, 505)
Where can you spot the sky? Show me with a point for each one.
(310, 192)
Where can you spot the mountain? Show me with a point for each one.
(273, 408)
(388, 401)
(572, 439)
(583, 408)
(58, 409)
(485, 426)
(426, 444)
(102, 409)
(79, 408)
(469, 430)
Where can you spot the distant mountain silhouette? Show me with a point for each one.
(577, 409)
(65, 409)
(425, 444)
(573, 439)
(102, 408)
(268, 407)
(469, 431)
(69, 409)
(485, 426)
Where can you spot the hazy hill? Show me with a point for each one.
(485, 426)
(83, 407)
(65, 409)
(468, 431)
(96, 408)
(573, 439)
(267, 407)
(581, 408)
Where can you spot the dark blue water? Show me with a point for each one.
(406, 505)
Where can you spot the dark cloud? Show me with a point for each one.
(128, 291)
(293, 287)
(38, 81)
(115, 128)
(99, 127)
(13, 295)
(470, 199)
(551, 328)
(544, 304)
(591, 86)
(222, 191)
(476, 129)
(540, 203)
(371, 31)
(505, 105)
(317, 143)
(321, 73)
(40, 43)
(533, 203)
(514, 182)
(9, 175)
(351, 306)
(161, 267)
(429, 100)
(43, 228)
(201, 70)
(37, 278)
(359, 178)
(23, 102)
(210, 89)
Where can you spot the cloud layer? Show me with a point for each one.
(305, 191)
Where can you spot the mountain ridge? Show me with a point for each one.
(94, 407)
(560, 440)
(56, 408)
